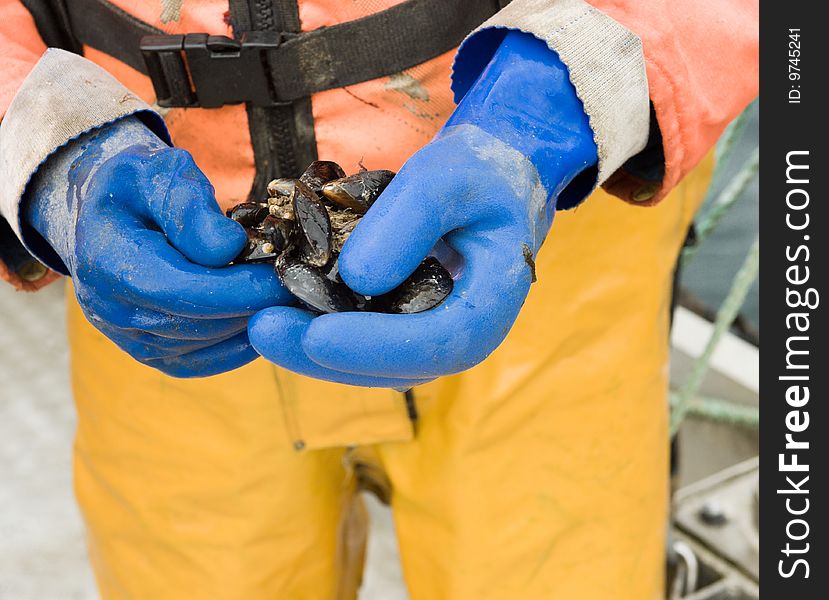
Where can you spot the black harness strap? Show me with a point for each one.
(378, 45)
(52, 21)
(282, 137)
(271, 66)
(105, 27)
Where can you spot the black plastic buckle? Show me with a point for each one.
(209, 71)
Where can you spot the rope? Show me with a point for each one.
(723, 203)
(725, 316)
(726, 144)
(726, 412)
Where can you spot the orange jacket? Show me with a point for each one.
(694, 91)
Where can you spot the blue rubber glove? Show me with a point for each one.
(487, 185)
(136, 225)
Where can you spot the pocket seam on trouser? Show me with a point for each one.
(319, 414)
(286, 400)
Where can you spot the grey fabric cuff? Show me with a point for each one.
(63, 97)
(605, 60)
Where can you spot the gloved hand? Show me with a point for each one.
(488, 184)
(136, 225)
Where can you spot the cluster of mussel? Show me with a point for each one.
(301, 229)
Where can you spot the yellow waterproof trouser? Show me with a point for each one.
(540, 474)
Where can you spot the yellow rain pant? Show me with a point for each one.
(541, 474)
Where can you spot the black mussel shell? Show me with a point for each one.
(321, 172)
(258, 248)
(248, 214)
(332, 269)
(279, 232)
(313, 288)
(357, 192)
(281, 187)
(313, 226)
(332, 272)
(427, 287)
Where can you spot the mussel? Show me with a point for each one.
(313, 288)
(357, 192)
(321, 172)
(279, 232)
(248, 214)
(314, 229)
(424, 289)
(301, 228)
(280, 188)
(258, 248)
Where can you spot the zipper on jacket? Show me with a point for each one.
(282, 137)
